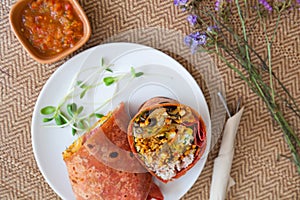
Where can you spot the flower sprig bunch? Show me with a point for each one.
(216, 31)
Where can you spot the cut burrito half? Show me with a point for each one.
(101, 166)
(167, 137)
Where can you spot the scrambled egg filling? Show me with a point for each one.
(75, 146)
(164, 139)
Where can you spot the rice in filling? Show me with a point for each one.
(164, 139)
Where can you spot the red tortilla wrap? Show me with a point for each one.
(155, 193)
(96, 177)
(167, 137)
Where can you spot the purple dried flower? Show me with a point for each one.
(221, 4)
(194, 40)
(180, 2)
(202, 39)
(266, 5)
(212, 28)
(192, 19)
(218, 4)
(187, 40)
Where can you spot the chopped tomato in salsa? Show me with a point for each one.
(51, 26)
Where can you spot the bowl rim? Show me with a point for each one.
(51, 59)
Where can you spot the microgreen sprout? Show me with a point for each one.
(57, 115)
(135, 74)
(110, 80)
(109, 70)
(70, 113)
(48, 110)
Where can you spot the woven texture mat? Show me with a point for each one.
(258, 170)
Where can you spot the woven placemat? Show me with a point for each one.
(257, 169)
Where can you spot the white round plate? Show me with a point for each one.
(163, 76)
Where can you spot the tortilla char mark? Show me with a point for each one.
(91, 179)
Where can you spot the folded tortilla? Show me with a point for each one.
(167, 137)
(94, 163)
(155, 193)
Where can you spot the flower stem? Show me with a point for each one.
(244, 32)
(233, 48)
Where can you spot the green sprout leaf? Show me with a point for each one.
(132, 70)
(59, 120)
(47, 119)
(80, 109)
(98, 115)
(79, 83)
(109, 69)
(109, 80)
(74, 131)
(134, 74)
(69, 110)
(82, 94)
(84, 87)
(48, 110)
(81, 124)
(72, 109)
(139, 74)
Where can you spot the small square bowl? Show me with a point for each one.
(15, 18)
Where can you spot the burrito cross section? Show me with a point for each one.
(167, 137)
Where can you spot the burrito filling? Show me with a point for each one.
(164, 139)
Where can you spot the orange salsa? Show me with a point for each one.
(51, 26)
